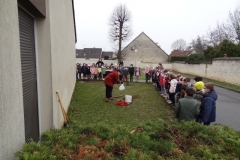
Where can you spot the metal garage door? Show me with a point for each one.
(29, 75)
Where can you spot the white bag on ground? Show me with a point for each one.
(121, 87)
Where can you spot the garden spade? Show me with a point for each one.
(65, 117)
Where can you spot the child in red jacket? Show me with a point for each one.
(162, 82)
(167, 86)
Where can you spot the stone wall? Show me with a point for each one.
(224, 69)
(221, 69)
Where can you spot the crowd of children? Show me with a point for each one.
(100, 70)
(91, 71)
(191, 101)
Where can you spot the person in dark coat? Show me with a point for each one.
(109, 81)
(100, 62)
(88, 71)
(188, 107)
(131, 72)
(121, 63)
(84, 70)
(208, 106)
(125, 73)
(79, 67)
(77, 72)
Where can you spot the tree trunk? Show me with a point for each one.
(120, 42)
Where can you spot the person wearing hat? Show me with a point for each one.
(198, 87)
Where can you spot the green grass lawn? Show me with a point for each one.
(88, 105)
(102, 130)
(142, 77)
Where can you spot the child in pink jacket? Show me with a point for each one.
(137, 73)
(92, 70)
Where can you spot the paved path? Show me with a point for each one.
(228, 108)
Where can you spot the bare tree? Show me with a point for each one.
(199, 44)
(220, 33)
(235, 22)
(120, 26)
(179, 44)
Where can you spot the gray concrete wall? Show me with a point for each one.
(221, 69)
(12, 135)
(147, 51)
(55, 45)
(194, 69)
(167, 65)
(62, 55)
(44, 71)
(224, 69)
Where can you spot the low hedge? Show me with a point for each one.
(155, 140)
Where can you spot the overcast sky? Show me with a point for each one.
(164, 21)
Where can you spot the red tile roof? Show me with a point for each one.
(180, 53)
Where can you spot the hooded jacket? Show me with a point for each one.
(162, 80)
(92, 70)
(137, 72)
(84, 69)
(187, 109)
(111, 78)
(131, 69)
(208, 107)
(79, 67)
(125, 71)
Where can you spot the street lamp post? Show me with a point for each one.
(135, 56)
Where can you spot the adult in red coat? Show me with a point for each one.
(109, 81)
